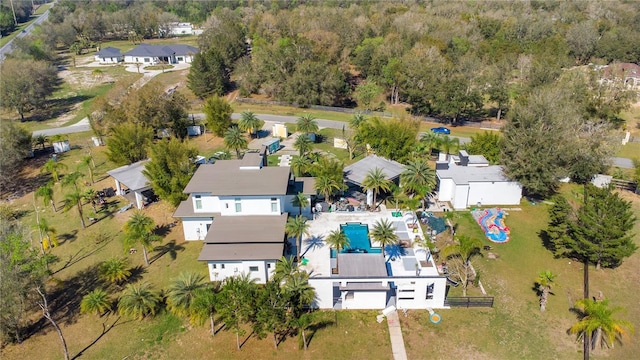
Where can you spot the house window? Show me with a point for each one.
(221, 266)
(238, 205)
(198, 202)
(214, 266)
(269, 266)
(274, 204)
(430, 291)
(180, 58)
(147, 60)
(253, 268)
(137, 60)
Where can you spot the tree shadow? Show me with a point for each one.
(65, 297)
(314, 242)
(55, 107)
(313, 329)
(105, 330)
(136, 274)
(246, 339)
(162, 230)
(170, 248)
(83, 254)
(70, 236)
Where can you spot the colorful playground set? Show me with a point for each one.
(492, 223)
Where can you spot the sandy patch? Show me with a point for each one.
(85, 79)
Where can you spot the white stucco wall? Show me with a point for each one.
(460, 195)
(414, 296)
(362, 299)
(210, 204)
(140, 59)
(251, 205)
(446, 189)
(494, 193)
(324, 292)
(220, 270)
(191, 225)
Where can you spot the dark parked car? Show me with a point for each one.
(441, 130)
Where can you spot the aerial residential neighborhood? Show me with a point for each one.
(319, 180)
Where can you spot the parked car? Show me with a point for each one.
(441, 130)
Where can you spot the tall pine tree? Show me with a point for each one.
(208, 74)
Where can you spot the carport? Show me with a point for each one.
(133, 179)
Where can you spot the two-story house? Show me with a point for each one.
(239, 208)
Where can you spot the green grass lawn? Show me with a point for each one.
(630, 150)
(515, 328)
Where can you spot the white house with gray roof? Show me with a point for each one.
(108, 55)
(468, 180)
(239, 209)
(154, 54)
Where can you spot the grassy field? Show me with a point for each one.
(515, 328)
(630, 150)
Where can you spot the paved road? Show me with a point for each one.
(8, 46)
(323, 123)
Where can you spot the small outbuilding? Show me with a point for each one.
(132, 177)
(272, 145)
(355, 173)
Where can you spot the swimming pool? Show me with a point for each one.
(358, 235)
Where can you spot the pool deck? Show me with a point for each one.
(317, 252)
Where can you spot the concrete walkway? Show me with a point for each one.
(395, 332)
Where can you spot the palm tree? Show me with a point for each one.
(235, 304)
(356, 120)
(235, 140)
(384, 233)
(300, 294)
(430, 141)
(49, 232)
(307, 124)
(249, 122)
(96, 302)
(203, 306)
(596, 319)
(303, 145)
(544, 282)
(46, 193)
(87, 162)
(285, 267)
(139, 229)
(297, 227)
(447, 143)
(182, 291)
(72, 199)
(300, 164)
(464, 250)
(72, 179)
(40, 140)
(327, 185)
(138, 301)
(301, 201)
(53, 167)
(92, 197)
(376, 181)
(114, 270)
(338, 240)
(418, 178)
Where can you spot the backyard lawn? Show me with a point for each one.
(515, 328)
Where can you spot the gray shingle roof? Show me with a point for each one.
(247, 229)
(226, 252)
(225, 178)
(465, 174)
(161, 50)
(109, 52)
(131, 175)
(357, 172)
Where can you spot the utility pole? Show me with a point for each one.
(15, 20)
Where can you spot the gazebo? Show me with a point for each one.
(132, 177)
(357, 172)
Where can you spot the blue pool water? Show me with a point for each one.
(358, 235)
